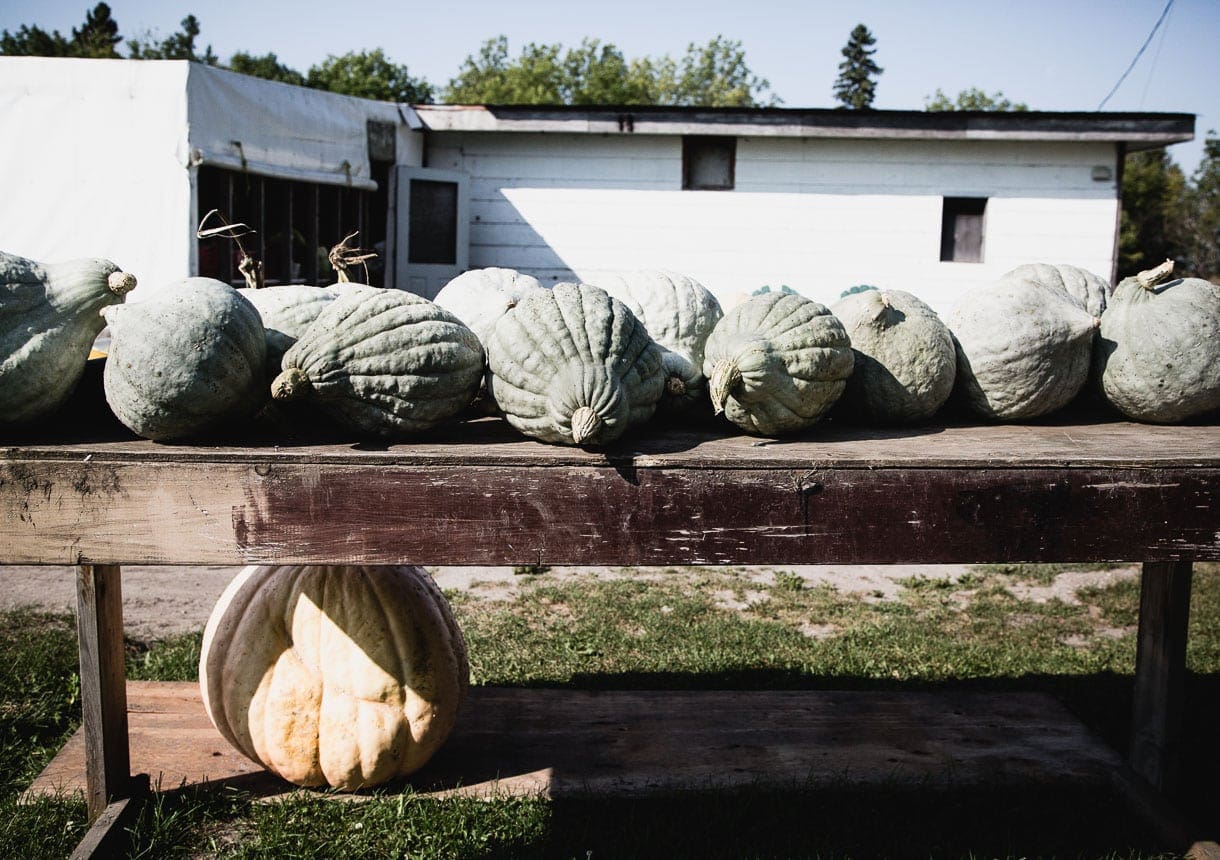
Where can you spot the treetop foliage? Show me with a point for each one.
(597, 73)
(370, 75)
(856, 87)
(971, 99)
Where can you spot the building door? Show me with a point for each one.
(432, 228)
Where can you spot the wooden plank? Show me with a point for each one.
(564, 743)
(103, 693)
(1062, 443)
(233, 512)
(1160, 671)
(107, 837)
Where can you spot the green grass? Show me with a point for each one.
(967, 633)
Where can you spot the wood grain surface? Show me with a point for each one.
(1108, 492)
(614, 743)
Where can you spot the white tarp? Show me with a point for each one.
(280, 130)
(92, 156)
(97, 156)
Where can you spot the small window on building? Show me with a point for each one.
(432, 231)
(708, 163)
(961, 229)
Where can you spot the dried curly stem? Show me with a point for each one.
(251, 269)
(344, 256)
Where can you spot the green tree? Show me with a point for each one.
(717, 75)
(971, 99)
(265, 66)
(176, 46)
(99, 36)
(34, 42)
(370, 75)
(596, 73)
(856, 87)
(96, 37)
(1154, 212)
(1203, 213)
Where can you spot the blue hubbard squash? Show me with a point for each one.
(383, 364)
(186, 362)
(1160, 347)
(777, 363)
(49, 318)
(573, 366)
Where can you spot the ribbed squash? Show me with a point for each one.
(49, 318)
(288, 309)
(777, 363)
(679, 314)
(1160, 347)
(481, 296)
(340, 676)
(1023, 349)
(383, 363)
(904, 358)
(185, 362)
(574, 366)
(1090, 291)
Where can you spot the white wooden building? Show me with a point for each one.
(122, 158)
(819, 200)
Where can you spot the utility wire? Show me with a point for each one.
(1160, 43)
(1138, 53)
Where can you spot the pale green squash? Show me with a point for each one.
(679, 314)
(1023, 349)
(288, 309)
(574, 366)
(49, 318)
(186, 362)
(1160, 347)
(480, 297)
(383, 364)
(777, 363)
(1090, 291)
(905, 362)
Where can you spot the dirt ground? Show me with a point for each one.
(164, 601)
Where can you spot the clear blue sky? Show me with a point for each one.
(1063, 55)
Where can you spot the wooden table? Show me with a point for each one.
(1054, 492)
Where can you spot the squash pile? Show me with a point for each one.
(583, 364)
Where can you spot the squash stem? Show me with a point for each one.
(1150, 278)
(121, 283)
(675, 386)
(290, 384)
(725, 377)
(585, 425)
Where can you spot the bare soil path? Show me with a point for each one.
(159, 602)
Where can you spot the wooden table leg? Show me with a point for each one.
(99, 600)
(1160, 669)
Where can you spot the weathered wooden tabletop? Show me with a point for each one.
(480, 494)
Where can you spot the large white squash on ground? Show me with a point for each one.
(342, 676)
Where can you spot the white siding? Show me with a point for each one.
(817, 215)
